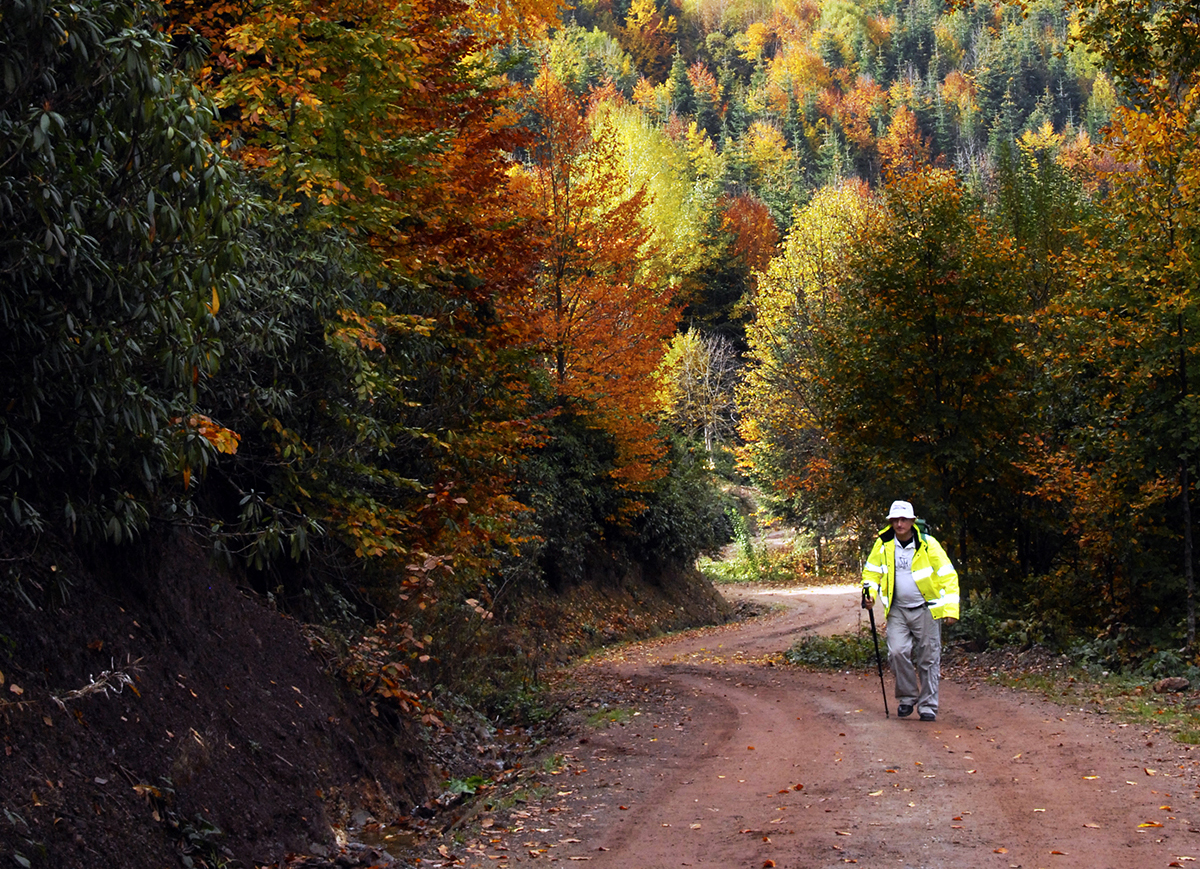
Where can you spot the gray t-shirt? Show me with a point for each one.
(907, 593)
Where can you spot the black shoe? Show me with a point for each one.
(904, 711)
(928, 716)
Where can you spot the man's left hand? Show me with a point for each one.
(949, 620)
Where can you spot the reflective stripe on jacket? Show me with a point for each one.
(936, 578)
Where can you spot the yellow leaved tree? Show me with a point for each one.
(780, 400)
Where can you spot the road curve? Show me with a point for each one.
(736, 760)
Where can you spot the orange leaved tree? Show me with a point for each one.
(597, 320)
(383, 126)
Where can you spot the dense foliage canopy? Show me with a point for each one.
(412, 306)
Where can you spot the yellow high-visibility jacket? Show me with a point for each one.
(935, 576)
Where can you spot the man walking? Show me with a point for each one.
(913, 575)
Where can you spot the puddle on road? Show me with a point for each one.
(400, 843)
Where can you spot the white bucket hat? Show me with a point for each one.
(901, 510)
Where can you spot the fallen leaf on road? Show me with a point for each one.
(970, 772)
(797, 787)
(1059, 853)
(841, 832)
(623, 808)
(695, 827)
(1150, 824)
(1039, 810)
(768, 864)
(749, 748)
(1091, 777)
(875, 793)
(1093, 826)
(1151, 771)
(1000, 851)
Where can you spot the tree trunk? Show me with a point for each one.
(1185, 495)
(1188, 571)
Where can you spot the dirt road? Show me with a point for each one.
(733, 760)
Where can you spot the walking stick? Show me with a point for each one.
(878, 661)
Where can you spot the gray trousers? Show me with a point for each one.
(914, 642)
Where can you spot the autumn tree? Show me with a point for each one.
(648, 37)
(383, 396)
(899, 364)
(597, 319)
(699, 375)
(781, 401)
(385, 127)
(707, 93)
(925, 366)
(1130, 319)
(585, 59)
(608, 482)
(740, 240)
(860, 114)
(904, 149)
(1040, 202)
(682, 177)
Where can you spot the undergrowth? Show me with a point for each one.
(752, 560)
(836, 652)
(611, 715)
(1130, 699)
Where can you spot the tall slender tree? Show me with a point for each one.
(596, 317)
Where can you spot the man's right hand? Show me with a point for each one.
(867, 601)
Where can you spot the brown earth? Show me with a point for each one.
(728, 757)
(195, 725)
